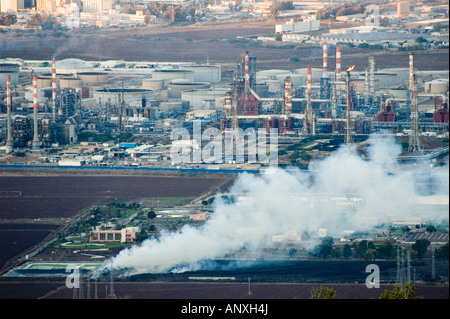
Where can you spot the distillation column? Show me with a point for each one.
(9, 141)
(348, 136)
(309, 126)
(414, 143)
(35, 145)
(53, 90)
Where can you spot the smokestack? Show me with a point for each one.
(247, 76)
(411, 72)
(309, 116)
(53, 89)
(228, 104)
(9, 141)
(325, 58)
(372, 75)
(338, 64)
(35, 146)
(349, 102)
(288, 95)
(308, 80)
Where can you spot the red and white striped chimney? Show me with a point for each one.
(54, 89)
(308, 80)
(35, 101)
(325, 58)
(338, 64)
(247, 76)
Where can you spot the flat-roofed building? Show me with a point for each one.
(125, 235)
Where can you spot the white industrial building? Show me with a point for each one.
(291, 26)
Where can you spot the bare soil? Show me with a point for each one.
(201, 43)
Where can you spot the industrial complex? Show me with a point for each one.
(73, 102)
(330, 194)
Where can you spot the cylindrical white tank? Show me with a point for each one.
(206, 73)
(262, 89)
(152, 84)
(69, 83)
(386, 80)
(173, 74)
(175, 87)
(271, 73)
(171, 106)
(204, 99)
(274, 86)
(11, 69)
(129, 95)
(437, 86)
(93, 77)
(316, 73)
(43, 82)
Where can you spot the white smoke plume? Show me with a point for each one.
(341, 192)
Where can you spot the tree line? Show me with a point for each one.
(368, 250)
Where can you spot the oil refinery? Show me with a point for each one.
(52, 103)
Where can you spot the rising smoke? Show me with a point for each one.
(341, 192)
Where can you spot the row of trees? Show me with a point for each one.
(7, 19)
(408, 291)
(340, 10)
(368, 250)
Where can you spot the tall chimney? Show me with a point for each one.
(325, 58)
(372, 75)
(349, 102)
(338, 64)
(35, 144)
(288, 95)
(247, 75)
(309, 116)
(411, 72)
(308, 80)
(53, 89)
(9, 141)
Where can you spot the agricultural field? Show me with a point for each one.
(217, 43)
(15, 238)
(205, 290)
(33, 208)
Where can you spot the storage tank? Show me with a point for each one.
(274, 86)
(92, 77)
(386, 80)
(316, 73)
(262, 89)
(437, 86)
(202, 99)
(129, 95)
(171, 106)
(152, 84)
(72, 66)
(43, 81)
(270, 73)
(206, 73)
(11, 69)
(173, 74)
(175, 87)
(69, 83)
